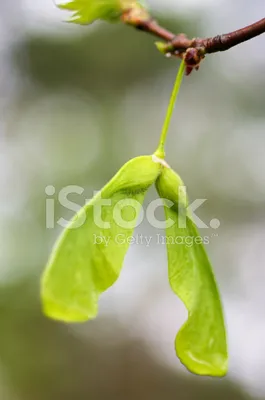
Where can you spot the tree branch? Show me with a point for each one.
(191, 50)
(228, 40)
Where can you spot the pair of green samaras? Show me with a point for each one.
(80, 270)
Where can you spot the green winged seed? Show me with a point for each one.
(88, 256)
(201, 342)
(88, 11)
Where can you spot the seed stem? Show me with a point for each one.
(160, 152)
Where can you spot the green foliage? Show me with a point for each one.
(201, 342)
(81, 269)
(87, 11)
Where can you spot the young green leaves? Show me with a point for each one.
(201, 342)
(88, 11)
(80, 269)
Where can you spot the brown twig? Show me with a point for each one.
(191, 50)
(228, 40)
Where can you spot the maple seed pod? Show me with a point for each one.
(88, 257)
(171, 187)
(201, 342)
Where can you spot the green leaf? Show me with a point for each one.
(201, 342)
(89, 256)
(87, 11)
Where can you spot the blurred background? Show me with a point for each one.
(78, 102)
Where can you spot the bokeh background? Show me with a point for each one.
(75, 104)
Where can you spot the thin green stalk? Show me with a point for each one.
(160, 152)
